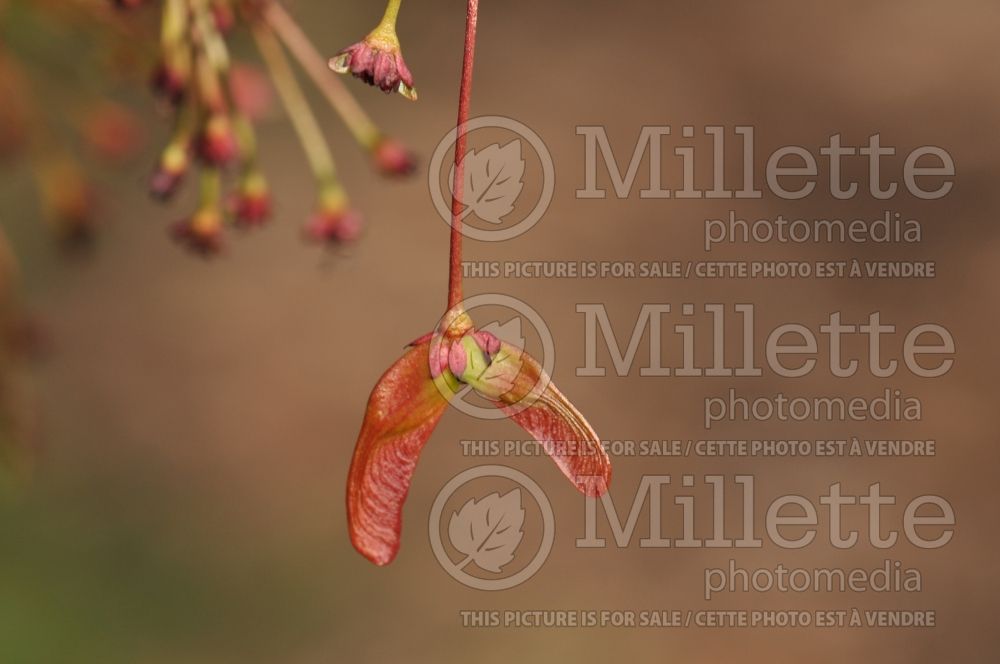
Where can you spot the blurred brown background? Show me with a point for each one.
(199, 417)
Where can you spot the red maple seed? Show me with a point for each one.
(410, 398)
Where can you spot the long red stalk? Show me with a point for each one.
(464, 98)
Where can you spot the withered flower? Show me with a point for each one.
(377, 59)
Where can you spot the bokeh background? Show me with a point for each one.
(198, 417)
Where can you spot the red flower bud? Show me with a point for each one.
(252, 203)
(202, 233)
(170, 171)
(392, 157)
(170, 81)
(334, 220)
(217, 144)
(337, 227)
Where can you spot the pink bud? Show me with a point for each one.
(392, 157)
(251, 204)
(487, 342)
(170, 171)
(252, 209)
(163, 183)
(202, 233)
(336, 227)
(457, 359)
(217, 143)
(170, 82)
